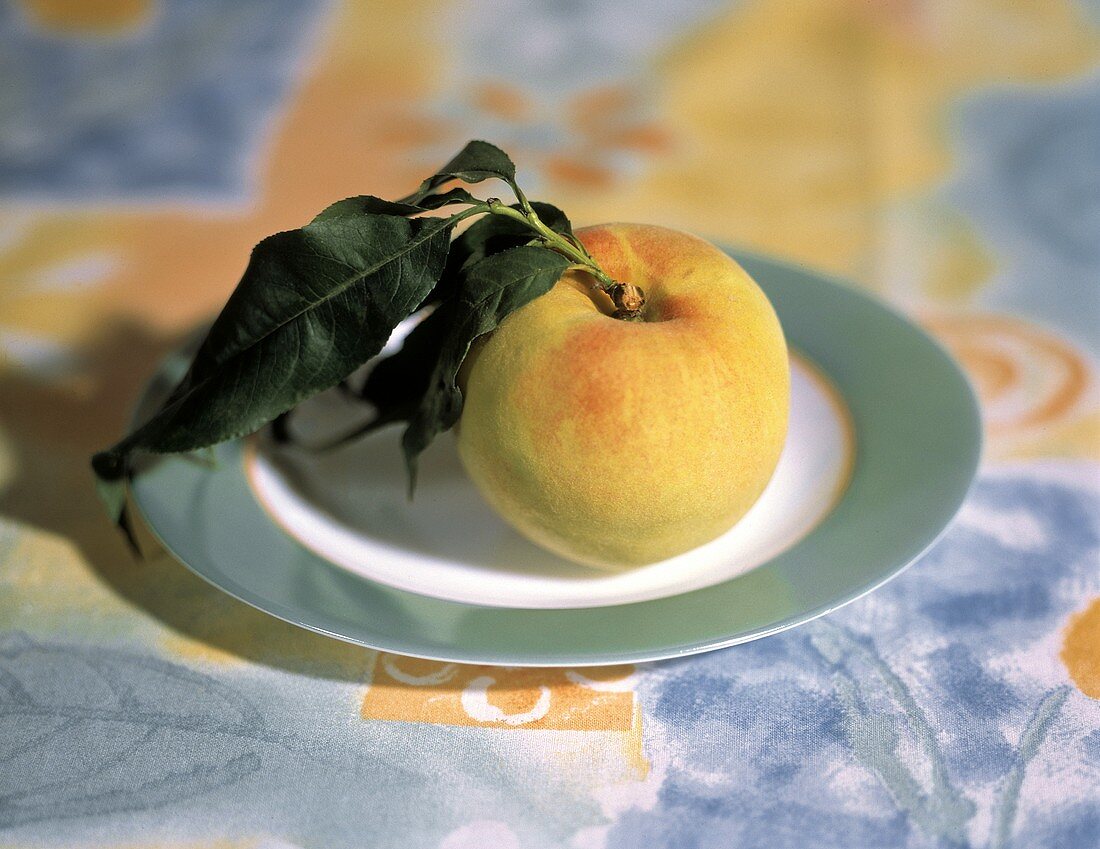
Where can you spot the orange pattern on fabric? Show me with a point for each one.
(1081, 649)
(80, 17)
(501, 100)
(1029, 381)
(408, 689)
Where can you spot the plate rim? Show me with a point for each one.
(973, 452)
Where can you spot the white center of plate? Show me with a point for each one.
(349, 506)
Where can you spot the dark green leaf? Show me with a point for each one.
(280, 427)
(490, 290)
(489, 235)
(366, 205)
(371, 205)
(455, 195)
(495, 233)
(314, 304)
(112, 492)
(552, 217)
(396, 385)
(477, 161)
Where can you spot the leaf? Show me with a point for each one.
(112, 493)
(552, 217)
(455, 195)
(313, 305)
(111, 489)
(366, 205)
(477, 161)
(490, 290)
(397, 383)
(489, 235)
(495, 233)
(371, 205)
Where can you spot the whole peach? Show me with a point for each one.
(617, 443)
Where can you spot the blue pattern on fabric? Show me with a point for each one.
(212, 74)
(760, 733)
(1029, 182)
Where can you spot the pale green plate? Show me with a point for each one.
(918, 442)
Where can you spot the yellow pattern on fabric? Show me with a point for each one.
(411, 690)
(1081, 649)
(798, 121)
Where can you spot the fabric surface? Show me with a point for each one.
(945, 155)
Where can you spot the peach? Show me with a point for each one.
(618, 443)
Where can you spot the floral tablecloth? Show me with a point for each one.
(945, 155)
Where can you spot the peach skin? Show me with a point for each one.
(618, 443)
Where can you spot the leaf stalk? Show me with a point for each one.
(628, 299)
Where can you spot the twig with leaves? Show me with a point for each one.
(318, 302)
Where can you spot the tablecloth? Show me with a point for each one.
(944, 155)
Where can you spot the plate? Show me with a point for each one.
(917, 443)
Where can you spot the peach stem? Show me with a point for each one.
(628, 298)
